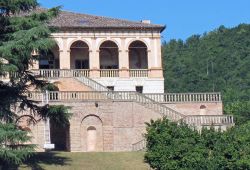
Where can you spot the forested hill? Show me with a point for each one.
(216, 61)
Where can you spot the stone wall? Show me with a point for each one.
(197, 108)
(112, 126)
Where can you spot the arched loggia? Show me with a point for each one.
(79, 55)
(138, 55)
(109, 54)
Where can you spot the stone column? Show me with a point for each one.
(94, 60)
(123, 60)
(64, 56)
(154, 59)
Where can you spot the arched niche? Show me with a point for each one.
(138, 55)
(203, 110)
(92, 134)
(79, 55)
(109, 55)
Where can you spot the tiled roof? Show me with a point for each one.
(67, 19)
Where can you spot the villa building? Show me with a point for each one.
(109, 71)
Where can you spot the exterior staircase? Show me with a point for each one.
(100, 92)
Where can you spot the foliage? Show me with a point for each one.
(172, 146)
(12, 150)
(50, 87)
(21, 32)
(217, 61)
(58, 114)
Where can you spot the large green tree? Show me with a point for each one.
(172, 146)
(21, 32)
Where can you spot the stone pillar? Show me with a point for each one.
(64, 56)
(154, 58)
(123, 60)
(94, 60)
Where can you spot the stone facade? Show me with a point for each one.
(116, 126)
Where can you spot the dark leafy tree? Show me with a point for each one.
(172, 146)
(21, 32)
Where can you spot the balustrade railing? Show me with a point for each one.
(68, 73)
(208, 120)
(111, 95)
(138, 73)
(61, 73)
(109, 73)
(185, 97)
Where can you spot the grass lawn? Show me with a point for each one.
(88, 161)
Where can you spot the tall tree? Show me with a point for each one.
(21, 32)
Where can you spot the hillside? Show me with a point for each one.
(216, 61)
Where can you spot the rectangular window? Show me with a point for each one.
(111, 87)
(139, 89)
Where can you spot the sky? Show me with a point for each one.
(182, 18)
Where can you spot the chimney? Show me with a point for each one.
(146, 21)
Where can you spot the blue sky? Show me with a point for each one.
(183, 18)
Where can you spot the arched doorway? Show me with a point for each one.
(138, 55)
(79, 55)
(92, 134)
(109, 54)
(91, 139)
(50, 59)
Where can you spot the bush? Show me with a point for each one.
(172, 146)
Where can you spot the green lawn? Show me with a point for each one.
(88, 161)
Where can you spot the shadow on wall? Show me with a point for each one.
(46, 158)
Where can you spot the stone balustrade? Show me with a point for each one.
(109, 95)
(138, 73)
(109, 73)
(185, 97)
(66, 73)
(198, 120)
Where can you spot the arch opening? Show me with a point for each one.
(109, 55)
(79, 55)
(138, 55)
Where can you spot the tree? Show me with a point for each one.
(22, 32)
(216, 61)
(173, 146)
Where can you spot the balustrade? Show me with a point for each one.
(185, 97)
(138, 73)
(208, 120)
(109, 73)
